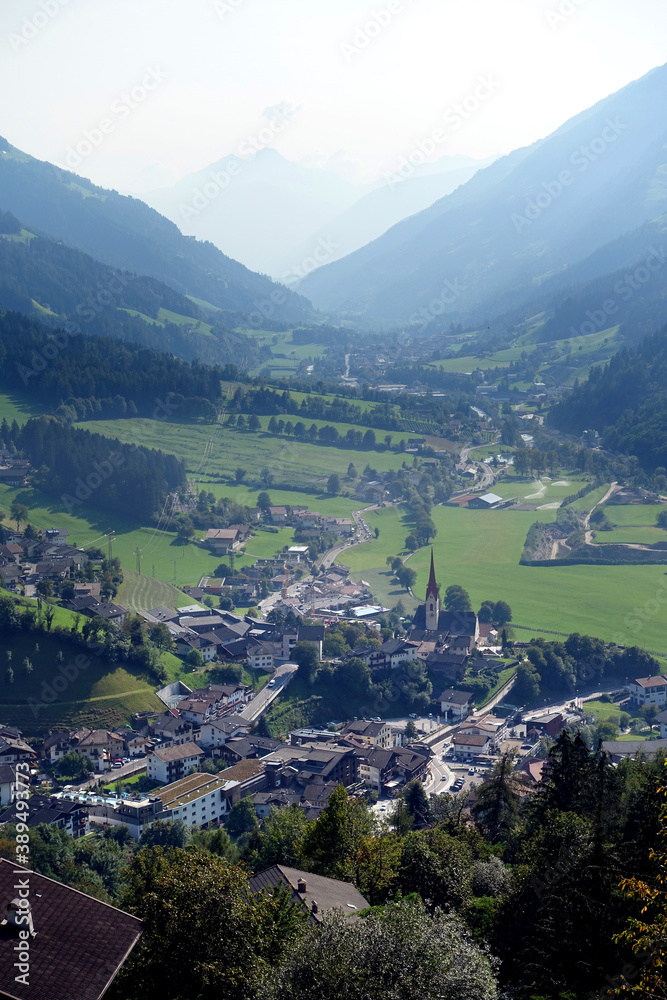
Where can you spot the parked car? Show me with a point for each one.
(413, 715)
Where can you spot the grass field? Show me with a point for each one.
(19, 408)
(480, 550)
(141, 593)
(101, 694)
(210, 450)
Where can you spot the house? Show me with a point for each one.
(262, 655)
(278, 515)
(618, 749)
(550, 724)
(7, 784)
(661, 720)
(375, 766)
(95, 744)
(648, 691)
(315, 894)
(72, 817)
(77, 944)
(200, 800)
(246, 747)
(170, 763)
(470, 746)
(216, 732)
(171, 728)
(13, 749)
(222, 541)
(456, 705)
(376, 733)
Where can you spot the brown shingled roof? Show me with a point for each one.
(79, 945)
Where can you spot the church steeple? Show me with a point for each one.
(432, 599)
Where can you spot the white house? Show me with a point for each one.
(648, 690)
(7, 784)
(170, 763)
(662, 722)
(456, 705)
(218, 731)
(470, 746)
(262, 656)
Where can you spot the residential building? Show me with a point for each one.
(168, 764)
(199, 799)
(314, 893)
(467, 746)
(72, 817)
(648, 690)
(376, 733)
(216, 732)
(456, 705)
(77, 943)
(661, 720)
(7, 784)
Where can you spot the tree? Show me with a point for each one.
(502, 614)
(194, 659)
(240, 475)
(398, 952)
(333, 840)
(18, 512)
(75, 766)
(280, 839)
(649, 713)
(410, 730)
(27, 667)
(305, 655)
(264, 502)
(333, 483)
(417, 802)
(645, 933)
(527, 685)
(661, 520)
(406, 576)
(351, 471)
(182, 896)
(354, 676)
(254, 423)
(242, 817)
(166, 833)
(45, 588)
(457, 599)
(496, 807)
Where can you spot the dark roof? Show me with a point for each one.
(311, 633)
(167, 754)
(7, 773)
(456, 697)
(329, 893)
(628, 748)
(456, 622)
(79, 945)
(42, 809)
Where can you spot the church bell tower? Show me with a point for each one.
(432, 600)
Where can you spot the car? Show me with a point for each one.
(117, 764)
(443, 777)
(272, 682)
(526, 746)
(471, 770)
(376, 718)
(413, 715)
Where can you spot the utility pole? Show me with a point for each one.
(110, 536)
(153, 570)
(137, 552)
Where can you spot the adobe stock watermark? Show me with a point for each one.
(23, 916)
(277, 119)
(165, 409)
(566, 8)
(59, 341)
(367, 32)
(225, 7)
(322, 252)
(120, 110)
(84, 488)
(454, 117)
(65, 675)
(449, 293)
(636, 619)
(582, 158)
(625, 289)
(38, 20)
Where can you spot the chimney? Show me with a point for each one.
(314, 908)
(301, 886)
(19, 915)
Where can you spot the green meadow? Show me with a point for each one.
(213, 450)
(100, 695)
(480, 550)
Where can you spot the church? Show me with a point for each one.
(456, 630)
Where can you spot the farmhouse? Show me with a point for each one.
(648, 690)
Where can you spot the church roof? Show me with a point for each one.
(432, 587)
(454, 622)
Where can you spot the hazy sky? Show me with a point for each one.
(181, 83)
